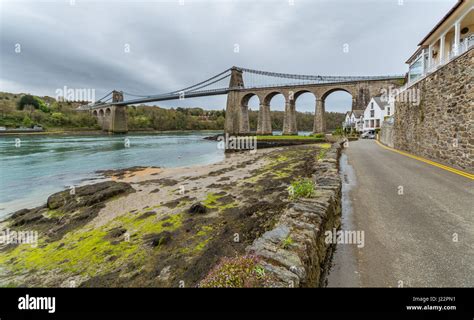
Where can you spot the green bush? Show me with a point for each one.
(302, 189)
(338, 132)
(29, 100)
(27, 122)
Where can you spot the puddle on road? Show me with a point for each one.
(344, 269)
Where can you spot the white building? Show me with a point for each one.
(451, 37)
(359, 119)
(353, 120)
(375, 113)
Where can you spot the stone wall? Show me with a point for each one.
(304, 262)
(386, 134)
(441, 126)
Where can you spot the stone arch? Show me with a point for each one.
(244, 111)
(319, 119)
(94, 113)
(302, 94)
(332, 90)
(269, 96)
(296, 94)
(108, 112)
(246, 98)
(101, 112)
(264, 124)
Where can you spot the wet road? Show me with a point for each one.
(418, 222)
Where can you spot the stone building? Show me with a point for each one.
(449, 38)
(435, 110)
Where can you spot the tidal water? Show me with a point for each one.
(41, 165)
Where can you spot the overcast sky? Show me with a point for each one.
(151, 47)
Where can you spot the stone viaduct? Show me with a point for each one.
(237, 120)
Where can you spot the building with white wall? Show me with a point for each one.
(451, 37)
(375, 113)
(353, 121)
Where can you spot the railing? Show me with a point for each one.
(464, 46)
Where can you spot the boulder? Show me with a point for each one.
(156, 239)
(197, 208)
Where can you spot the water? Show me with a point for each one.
(344, 268)
(43, 165)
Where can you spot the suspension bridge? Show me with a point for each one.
(241, 84)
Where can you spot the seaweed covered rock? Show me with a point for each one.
(197, 208)
(87, 195)
(66, 210)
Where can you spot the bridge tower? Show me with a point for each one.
(113, 118)
(236, 116)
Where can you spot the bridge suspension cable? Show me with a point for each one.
(210, 83)
(317, 78)
(134, 95)
(202, 82)
(108, 94)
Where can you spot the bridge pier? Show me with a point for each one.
(236, 121)
(113, 118)
(289, 120)
(244, 126)
(264, 125)
(319, 121)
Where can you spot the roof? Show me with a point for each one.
(381, 102)
(358, 113)
(447, 15)
(416, 53)
(435, 28)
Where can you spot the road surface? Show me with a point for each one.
(418, 222)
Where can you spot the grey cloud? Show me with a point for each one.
(172, 46)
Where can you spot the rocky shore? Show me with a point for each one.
(179, 227)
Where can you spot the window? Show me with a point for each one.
(372, 113)
(377, 123)
(371, 105)
(388, 111)
(415, 70)
(371, 123)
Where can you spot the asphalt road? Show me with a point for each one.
(423, 237)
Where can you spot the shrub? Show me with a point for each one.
(302, 189)
(319, 135)
(287, 242)
(36, 102)
(27, 123)
(58, 118)
(338, 132)
(238, 272)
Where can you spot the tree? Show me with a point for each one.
(27, 122)
(36, 102)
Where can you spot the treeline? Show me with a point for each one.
(26, 111)
(155, 118)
